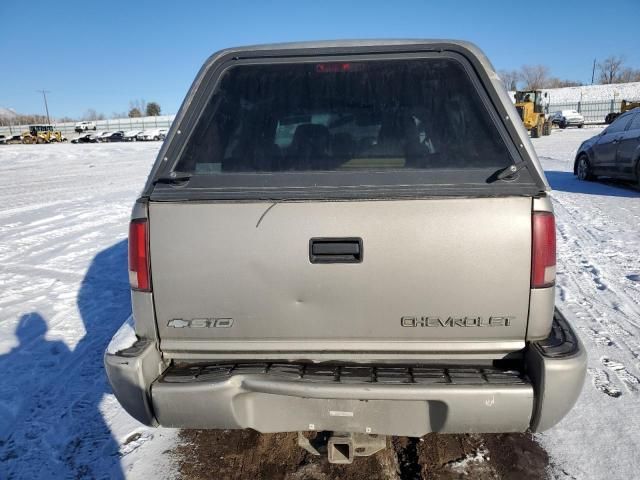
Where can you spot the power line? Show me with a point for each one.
(46, 107)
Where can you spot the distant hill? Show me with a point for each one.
(8, 113)
(594, 93)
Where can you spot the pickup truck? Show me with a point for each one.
(352, 237)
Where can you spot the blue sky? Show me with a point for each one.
(102, 54)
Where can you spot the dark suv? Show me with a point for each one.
(615, 152)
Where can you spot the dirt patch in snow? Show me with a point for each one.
(488, 456)
(222, 454)
(208, 454)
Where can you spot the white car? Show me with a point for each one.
(153, 134)
(101, 136)
(84, 126)
(132, 135)
(567, 118)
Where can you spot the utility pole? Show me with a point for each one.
(593, 71)
(46, 107)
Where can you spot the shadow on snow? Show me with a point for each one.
(568, 182)
(51, 425)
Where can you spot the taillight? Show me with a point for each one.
(332, 67)
(543, 258)
(139, 255)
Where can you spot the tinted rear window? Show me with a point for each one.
(421, 114)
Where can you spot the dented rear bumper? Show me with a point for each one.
(386, 399)
(557, 367)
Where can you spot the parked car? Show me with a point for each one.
(615, 152)
(132, 135)
(84, 138)
(567, 118)
(84, 126)
(101, 136)
(114, 137)
(153, 134)
(13, 139)
(3, 139)
(145, 135)
(336, 248)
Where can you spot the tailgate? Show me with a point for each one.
(436, 275)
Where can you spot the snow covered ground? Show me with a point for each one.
(63, 293)
(593, 93)
(599, 292)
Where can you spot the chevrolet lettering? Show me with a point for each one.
(455, 322)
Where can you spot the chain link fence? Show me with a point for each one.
(111, 125)
(593, 111)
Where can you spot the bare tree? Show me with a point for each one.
(91, 114)
(134, 113)
(139, 104)
(534, 76)
(610, 69)
(629, 75)
(20, 119)
(555, 82)
(510, 78)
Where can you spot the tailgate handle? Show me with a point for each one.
(335, 250)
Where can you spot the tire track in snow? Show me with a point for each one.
(605, 300)
(598, 228)
(628, 379)
(602, 382)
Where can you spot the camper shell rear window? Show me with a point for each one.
(288, 128)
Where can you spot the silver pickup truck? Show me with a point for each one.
(351, 237)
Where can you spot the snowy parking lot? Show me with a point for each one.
(64, 291)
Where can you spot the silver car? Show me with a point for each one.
(567, 118)
(353, 237)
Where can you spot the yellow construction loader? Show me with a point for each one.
(530, 105)
(42, 134)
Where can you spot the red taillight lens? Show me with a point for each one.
(332, 67)
(543, 261)
(139, 255)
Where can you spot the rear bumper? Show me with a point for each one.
(569, 121)
(386, 400)
(269, 404)
(557, 367)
